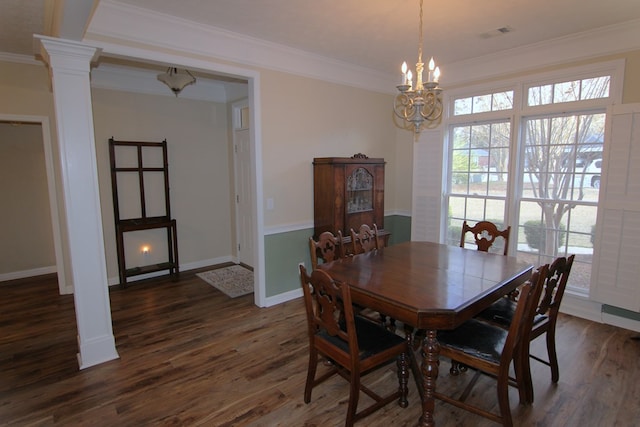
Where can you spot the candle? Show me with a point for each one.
(436, 75)
(430, 76)
(404, 73)
(410, 79)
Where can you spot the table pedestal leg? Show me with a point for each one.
(430, 361)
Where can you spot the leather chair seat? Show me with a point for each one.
(373, 338)
(476, 338)
(501, 313)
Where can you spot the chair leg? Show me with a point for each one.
(311, 374)
(524, 382)
(456, 368)
(503, 400)
(403, 379)
(354, 394)
(551, 351)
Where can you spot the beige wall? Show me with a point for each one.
(198, 147)
(305, 118)
(25, 219)
(25, 90)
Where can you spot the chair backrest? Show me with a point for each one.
(365, 240)
(522, 322)
(555, 284)
(485, 234)
(326, 249)
(328, 305)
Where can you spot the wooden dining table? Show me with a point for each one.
(431, 287)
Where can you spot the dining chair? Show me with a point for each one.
(490, 349)
(354, 345)
(327, 248)
(502, 311)
(485, 234)
(366, 239)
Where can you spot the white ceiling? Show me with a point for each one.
(377, 34)
(380, 34)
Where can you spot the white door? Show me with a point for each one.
(243, 179)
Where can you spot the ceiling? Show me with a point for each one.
(377, 34)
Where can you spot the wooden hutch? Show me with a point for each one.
(348, 192)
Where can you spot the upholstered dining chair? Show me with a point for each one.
(354, 345)
(327, 248)
(490, 349)
(502, 311)
(366, 239)
(485, 234)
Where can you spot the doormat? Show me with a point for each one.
(234, 281)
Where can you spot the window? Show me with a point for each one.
(482, 103)
(534, 165)
(569, 91)
(479, 174)
(559, 195)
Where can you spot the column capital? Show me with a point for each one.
(69, 54)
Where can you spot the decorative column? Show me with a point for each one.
(69, 68)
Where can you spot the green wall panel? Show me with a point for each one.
(282, 254)
(620, 312)
(284, 251)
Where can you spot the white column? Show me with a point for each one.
(69, 67)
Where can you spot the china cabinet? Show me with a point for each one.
(348, 192)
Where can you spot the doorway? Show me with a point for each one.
(30, 138)
(243, 172)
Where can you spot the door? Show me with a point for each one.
(243, 179)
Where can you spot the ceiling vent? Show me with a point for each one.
(497, 32)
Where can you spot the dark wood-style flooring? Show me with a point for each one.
(189, 355)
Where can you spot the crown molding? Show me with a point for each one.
(20, 59)
(576, 47)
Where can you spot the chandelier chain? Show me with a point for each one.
(420, 35)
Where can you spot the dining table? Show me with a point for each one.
(429, 287)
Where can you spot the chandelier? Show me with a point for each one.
(175, 81)
(419, 106)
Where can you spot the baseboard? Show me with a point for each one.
(27, 273)
(283, 297)
(579, 306)
(183, 267)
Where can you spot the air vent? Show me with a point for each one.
(497, 32)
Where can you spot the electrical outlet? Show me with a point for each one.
(301, 263)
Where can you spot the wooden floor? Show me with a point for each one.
(189, 355)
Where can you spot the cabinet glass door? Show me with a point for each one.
(359, 191)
